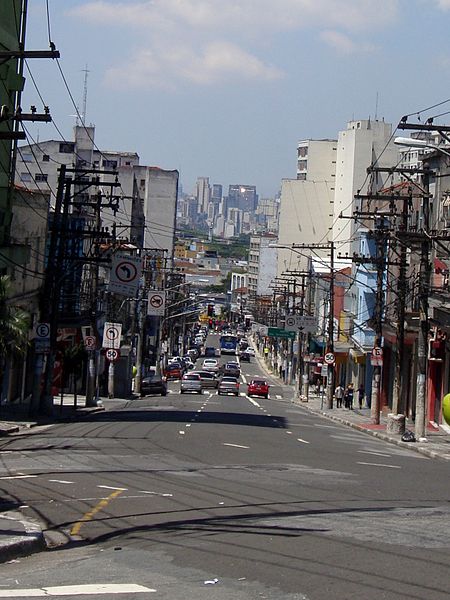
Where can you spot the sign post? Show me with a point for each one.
(156, 303)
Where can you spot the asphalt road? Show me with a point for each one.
(189, 496)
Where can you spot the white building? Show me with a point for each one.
(316, 160)
(362, 143)
(262, 264)
(203, 194)
(306, 217)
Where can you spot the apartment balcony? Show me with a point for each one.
(363, 335)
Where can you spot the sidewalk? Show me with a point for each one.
(438, 439)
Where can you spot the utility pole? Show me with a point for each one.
(424, 290)
(330, 375)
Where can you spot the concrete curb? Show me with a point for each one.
(17, 546)
(382, 436)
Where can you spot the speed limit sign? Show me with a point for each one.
(329, 358)
(112, 354)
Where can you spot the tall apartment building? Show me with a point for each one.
(203, 194)
(243, 197)
(357, 148)
(262, 264)
(306, 203)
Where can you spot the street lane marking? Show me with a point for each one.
(372, 452)
(59, 481)
(181, 432)
(379, 465)
(109, 487)
(327, 426)
(19, 477)
(253, 401)
(302, 441)
(235, 446)
(278, 397)
(97, 508)
(77, 590)
(157, 494)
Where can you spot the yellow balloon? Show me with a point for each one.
(446, 408)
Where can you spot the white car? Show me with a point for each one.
(210, 364)
(250, 351)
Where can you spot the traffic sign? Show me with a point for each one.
(376, 359)
(125, 274)
(329, 358)
(112, 354)
(156, 303)
(42, 331)
(302, 323)
(280, 333)
(111, 335)
(90, 342)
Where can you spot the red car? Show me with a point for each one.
(258, 387)
(173, 371)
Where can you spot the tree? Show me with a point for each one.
(14, 326)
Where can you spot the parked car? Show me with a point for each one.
(209, 379)
(193, 354)
(188, 362)
(210, 364)
(153, 383)
(228, 385)
(209, 351)
(258, 387)
(250, 351)
(191, 382)
(244, 356)
(173, 371)
(231, 369)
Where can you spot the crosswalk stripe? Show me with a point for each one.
(77, 590)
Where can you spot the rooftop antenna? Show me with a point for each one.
(83, 113)
(376, 108)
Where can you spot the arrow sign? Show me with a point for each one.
(111, 335)
(125, 274)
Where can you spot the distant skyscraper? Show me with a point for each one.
(203, 194)
(216, 193)
(243, 197)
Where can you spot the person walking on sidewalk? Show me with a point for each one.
(339, 394)
(348, 396)
(361, 395)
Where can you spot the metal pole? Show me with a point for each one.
(330, 374)
(424, 286)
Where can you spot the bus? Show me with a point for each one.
(228, 343)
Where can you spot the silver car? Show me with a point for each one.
(209, 380)
(191, 382)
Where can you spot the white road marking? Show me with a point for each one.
(374, 453)
(187, 425)
(327, 426)
(278, 397)
(302, 441)
(289, 432)
(109, 487)
(235, 446)
(157, 494)
(243, 378)
(19, 477)
(253, 401)
(60, 481)
(379, 465)
(77, 590)
(242, 394)
(181, 432)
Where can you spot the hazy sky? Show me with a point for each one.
(226, 88)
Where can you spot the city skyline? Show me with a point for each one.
(228, 93)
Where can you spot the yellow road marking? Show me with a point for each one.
(91, 514)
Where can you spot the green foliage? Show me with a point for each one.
(14, 324)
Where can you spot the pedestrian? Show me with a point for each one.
(339, 394)
(361, 395)
(348, 397)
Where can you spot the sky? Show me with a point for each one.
(225, 89)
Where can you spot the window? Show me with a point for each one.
(40, 177)
(109, 164)
(45, 158)
(27, 157)
(301, 176)
(303, 151)
(67, 147)
(302, 165)
(25, 177)
(142, 182)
